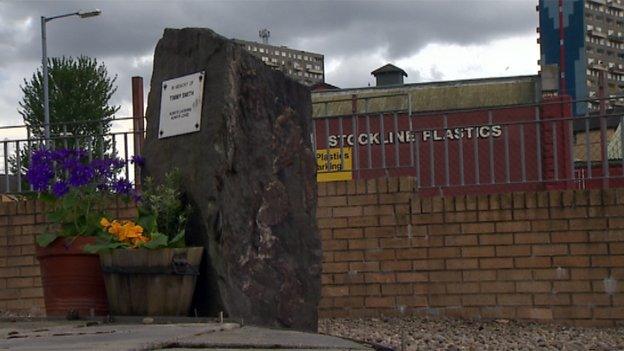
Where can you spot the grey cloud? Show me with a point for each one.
(338, 28)
(347, 31)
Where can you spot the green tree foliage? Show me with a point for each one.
(80, 115)
(79, 94)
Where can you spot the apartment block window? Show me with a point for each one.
(283, 54)
(265, 59)
(255, 48)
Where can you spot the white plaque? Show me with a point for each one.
(181, 104)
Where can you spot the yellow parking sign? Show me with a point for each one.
(334, 164)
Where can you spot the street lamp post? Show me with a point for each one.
(44, 62)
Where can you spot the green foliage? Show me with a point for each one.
(77, 214)
(161, 208)
(161, 213)
(79, 92)
(80, 115)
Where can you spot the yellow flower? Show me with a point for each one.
(104, 222)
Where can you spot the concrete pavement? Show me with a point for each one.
(81, 335)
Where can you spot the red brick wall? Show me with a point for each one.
(549, 255)
(20, 281)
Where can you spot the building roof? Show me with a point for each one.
(612, 120)
(320, 86)
(430, 96)
(389, 68)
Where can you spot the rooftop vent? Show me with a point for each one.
(389, 75)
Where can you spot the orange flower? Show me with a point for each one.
(125, 231)
(104, 222)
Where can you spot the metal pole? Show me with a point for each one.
(44, 62)
(562, 77)
(604, 155)
(138, 125)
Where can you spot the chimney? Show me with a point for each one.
(389, 75)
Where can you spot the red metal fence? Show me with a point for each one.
(511, 148)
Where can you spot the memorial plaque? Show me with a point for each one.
(180, 105)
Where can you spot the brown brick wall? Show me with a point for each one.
(545, 256)
(20, 281)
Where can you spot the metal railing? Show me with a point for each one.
(503, 148)
(119, 139)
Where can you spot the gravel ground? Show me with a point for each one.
(455, 334)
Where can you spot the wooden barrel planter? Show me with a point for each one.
(71, 279)
(141, 282)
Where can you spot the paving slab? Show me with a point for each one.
(245, 337)
(208, 336)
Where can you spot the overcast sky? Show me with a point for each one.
(431, 40)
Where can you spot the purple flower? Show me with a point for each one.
(138, 160)
(61, 170)
(41, 170)
(118, 163)
(60, 188)
(80, 174)
(39, 176)
(122, 186)
(103, 167)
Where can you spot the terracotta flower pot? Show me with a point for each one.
(71, 278)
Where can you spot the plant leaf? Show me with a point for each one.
(157, 241)
(47, 197)
(178, 240)
(96, 248)
(46, 238)
(147, 220)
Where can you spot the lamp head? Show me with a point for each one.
(87, 14)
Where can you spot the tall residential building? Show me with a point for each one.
(306, 67)
(592, 41)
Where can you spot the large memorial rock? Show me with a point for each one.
(250, 173)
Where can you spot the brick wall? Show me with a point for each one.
(547, 256)
(20, 282)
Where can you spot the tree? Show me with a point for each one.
(79, 93)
